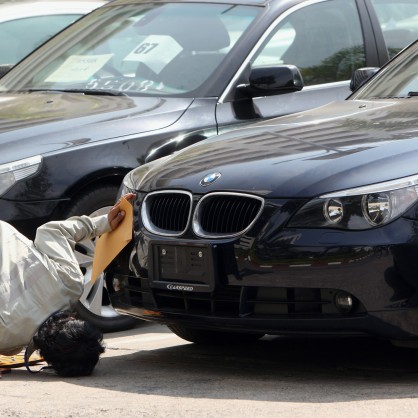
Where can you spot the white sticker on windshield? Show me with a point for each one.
(156, 51)
(78, 68)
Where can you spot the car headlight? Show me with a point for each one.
(11, 173)
(360, 208)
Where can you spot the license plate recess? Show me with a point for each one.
(187, 267)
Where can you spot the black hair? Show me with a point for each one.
(71, 346)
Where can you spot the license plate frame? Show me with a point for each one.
(183, 267)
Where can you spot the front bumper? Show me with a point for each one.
(277, 281)
(300, 301)
(395, 325)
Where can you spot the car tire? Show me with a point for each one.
(94, 305)
(209, 337)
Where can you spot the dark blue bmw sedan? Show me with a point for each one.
(301, 224)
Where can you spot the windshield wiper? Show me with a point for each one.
(412, 93)
(90, 92)
(96, 92)
(391, 97)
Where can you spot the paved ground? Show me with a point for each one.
(149, 372)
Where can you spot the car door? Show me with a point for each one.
(324, 39)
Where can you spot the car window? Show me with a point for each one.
(324, 40)
(399, 22)
(21, 36)
(399, 80)
(157, 48)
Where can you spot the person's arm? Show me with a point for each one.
(56, 241)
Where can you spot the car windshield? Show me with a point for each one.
(399, 79)
(155, 49)
(22, 35)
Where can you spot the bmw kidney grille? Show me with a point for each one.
(216, 215)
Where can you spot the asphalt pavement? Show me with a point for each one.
(150, 372)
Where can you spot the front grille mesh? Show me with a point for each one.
(227, 214)
(169, 211)
(251, 302)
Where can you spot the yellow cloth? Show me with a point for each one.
(9, 362)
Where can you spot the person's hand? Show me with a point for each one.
(115, 214)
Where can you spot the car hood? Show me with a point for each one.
(335, 147)
(38, 123)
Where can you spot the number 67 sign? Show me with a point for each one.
(156, 51)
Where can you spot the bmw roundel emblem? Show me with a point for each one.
(209, 179)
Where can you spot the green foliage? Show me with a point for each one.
(337, 67)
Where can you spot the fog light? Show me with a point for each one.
(344, 302)
(117, 284)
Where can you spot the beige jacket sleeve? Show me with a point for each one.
(56, 242)
(40, 277)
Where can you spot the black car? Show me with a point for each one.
(302, 224)
(136, 80)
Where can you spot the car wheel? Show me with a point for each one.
(94, 304)
(209, 337)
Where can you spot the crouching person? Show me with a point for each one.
(39, 280)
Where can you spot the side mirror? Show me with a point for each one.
(361, 75)
(271, 80)
(4, 68)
